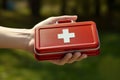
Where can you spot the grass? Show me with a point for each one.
(20, 65)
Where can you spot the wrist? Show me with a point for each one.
(25, 36)
(29, 40)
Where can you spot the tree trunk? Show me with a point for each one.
(110, 21)
(110, 5)
(97, 8)
(63, 7)
(35, 6)
(4, 4)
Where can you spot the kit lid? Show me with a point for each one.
(66, 37)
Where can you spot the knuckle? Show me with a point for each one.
(61, 64)
(69, 62)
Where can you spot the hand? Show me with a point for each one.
(68, 58)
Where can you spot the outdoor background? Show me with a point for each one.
(21, 65)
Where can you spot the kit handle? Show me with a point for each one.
(64, 21)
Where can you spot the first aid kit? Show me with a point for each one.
(66, 36)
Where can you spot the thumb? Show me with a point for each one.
(65, 17)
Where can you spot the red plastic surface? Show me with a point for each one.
(49, 44)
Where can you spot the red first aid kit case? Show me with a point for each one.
(56, 40)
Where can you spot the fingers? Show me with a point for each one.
(82, 57)
(74, 57)
(69, 58)
(53, 20)
(65, 59)
(65, 17)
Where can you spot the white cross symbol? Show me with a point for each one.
(66, 35)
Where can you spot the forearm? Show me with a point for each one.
(14, 38)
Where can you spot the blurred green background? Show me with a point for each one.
(21, 65)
